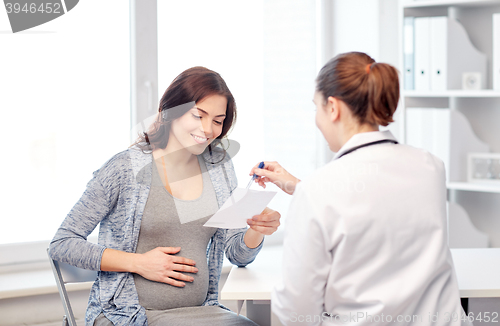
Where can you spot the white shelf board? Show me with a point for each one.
(478, 187)
(442, 3)
(454, 93)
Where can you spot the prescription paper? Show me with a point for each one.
(241, 206)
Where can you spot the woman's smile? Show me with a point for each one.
(199, 139)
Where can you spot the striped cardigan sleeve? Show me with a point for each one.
(237, 252)
(70, 244)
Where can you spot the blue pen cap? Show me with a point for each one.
(261, 165)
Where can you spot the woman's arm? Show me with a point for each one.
(253, 238)
(243, 245)
(70, 243)
(260, 225)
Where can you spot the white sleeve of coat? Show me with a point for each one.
(299, 298)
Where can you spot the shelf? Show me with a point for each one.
(454, 93)
(478, 187)
(446, 3)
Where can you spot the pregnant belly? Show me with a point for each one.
(161, 296)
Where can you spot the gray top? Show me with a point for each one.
(171, 222)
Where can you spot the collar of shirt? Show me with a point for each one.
(362, 139)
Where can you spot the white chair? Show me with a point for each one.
(64, 274)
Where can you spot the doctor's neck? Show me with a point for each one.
(347, 130)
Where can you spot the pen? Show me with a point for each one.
(254, 176)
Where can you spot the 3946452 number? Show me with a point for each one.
(485, 316)
(49, 8)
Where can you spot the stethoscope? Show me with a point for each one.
(368, 144)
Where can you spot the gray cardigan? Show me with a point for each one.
(115, 198)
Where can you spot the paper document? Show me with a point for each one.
(241, 206)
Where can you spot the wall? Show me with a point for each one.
(40, 309)
(369, 26)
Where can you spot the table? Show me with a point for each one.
(478, 274)
(254, 283)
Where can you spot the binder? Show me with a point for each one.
(496, 52)
(422, 54)
(429, 129)
(439, 53)
(444, 55)
(409, 78)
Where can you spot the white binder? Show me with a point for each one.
(422, 54)
(496, 51)
(409, 76)
(439, 53)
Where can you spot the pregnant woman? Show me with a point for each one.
(157, 263)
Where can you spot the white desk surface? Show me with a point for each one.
(255, 281)
(478, 273)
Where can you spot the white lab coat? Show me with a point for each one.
(365, 239)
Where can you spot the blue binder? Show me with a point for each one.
(409, 53)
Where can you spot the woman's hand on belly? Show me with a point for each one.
(160, 265)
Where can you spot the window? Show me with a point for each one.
(68, 96)
(265, 51)
(65, 111)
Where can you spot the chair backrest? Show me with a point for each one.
(64, 273)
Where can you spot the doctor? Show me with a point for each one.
(365, 239)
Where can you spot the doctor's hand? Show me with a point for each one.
(275, 173)
(160, 265)
(266, 223)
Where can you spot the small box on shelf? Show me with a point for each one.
(483, 168)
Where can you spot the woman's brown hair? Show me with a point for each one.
(370, 89)
(192, 85)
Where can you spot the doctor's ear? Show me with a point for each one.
(333, 108)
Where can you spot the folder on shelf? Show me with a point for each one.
(422, 53)
(443, 54)
(496, 51)
(409, 48)
(429, 129)
(439, 53)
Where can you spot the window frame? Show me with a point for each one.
(143, 95)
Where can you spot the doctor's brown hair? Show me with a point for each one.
(370, 89)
